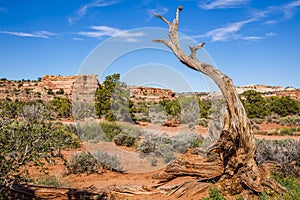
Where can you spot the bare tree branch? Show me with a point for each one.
(166, 42)
(162, 18)
(194, 49)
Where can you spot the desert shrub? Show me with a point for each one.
(290, 120)
(197, 142)
(263, 196)
(281, 131)
(61, 107)
(30, 141)
(182, 142)
(257, 120)
(91, 132)
(214, 194)
(284, 131)
(283, 152)
(83, 162)
(54, 181)
(108, 161)
(283, 106)
(159, 147)
(82, 110)
(123, 139)
(110, 129)
(32, 111)
(129, 129)
(203, 122)
(165, 147)
(107, 131)
(189, 109)
(140, 111)
(171, 107)
(293, 186)
(255, 104)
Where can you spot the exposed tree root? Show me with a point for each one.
(32, 191)
(191, 165)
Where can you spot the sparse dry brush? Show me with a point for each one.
(166, 148)
(86, 162)
(30, 139)
(286, 153)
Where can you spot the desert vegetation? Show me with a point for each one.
(28, 138)
(32, 137)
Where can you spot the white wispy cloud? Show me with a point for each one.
(102, 31)
(252, 38)
(231, 30)
(288, 9)
(257, 38)
(227, 32)
(270, 34)
(216, 4)
(37, 34)
(271, 22)
(78, 39)
(82, 11)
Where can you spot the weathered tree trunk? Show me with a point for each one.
(236, 145)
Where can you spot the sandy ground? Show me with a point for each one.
(137, 171)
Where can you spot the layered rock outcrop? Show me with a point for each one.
(268, 91)
(50, 86)
(83, 88)
(150, 94)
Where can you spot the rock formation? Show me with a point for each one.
(84, 87)
(150, 94)
(49, 87)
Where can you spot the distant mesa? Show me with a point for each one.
(50, 86)
(83, 88)
(268, 91)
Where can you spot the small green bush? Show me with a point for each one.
(91, 132)
(53, 181)
(214, 194)
(30, 140)
(290, 120)
(109, 131)
(83, 162)
(124, 140)
(165, 147)
(263, 196)
(292, 184)
(108, 161)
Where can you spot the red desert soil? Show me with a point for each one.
(138, 171)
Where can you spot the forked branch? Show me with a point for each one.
(194, 49)
(162, 18)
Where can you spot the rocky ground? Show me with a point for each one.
(138, 172)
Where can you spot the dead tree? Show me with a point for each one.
(236, 146)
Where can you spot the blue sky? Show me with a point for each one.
(253, 41)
